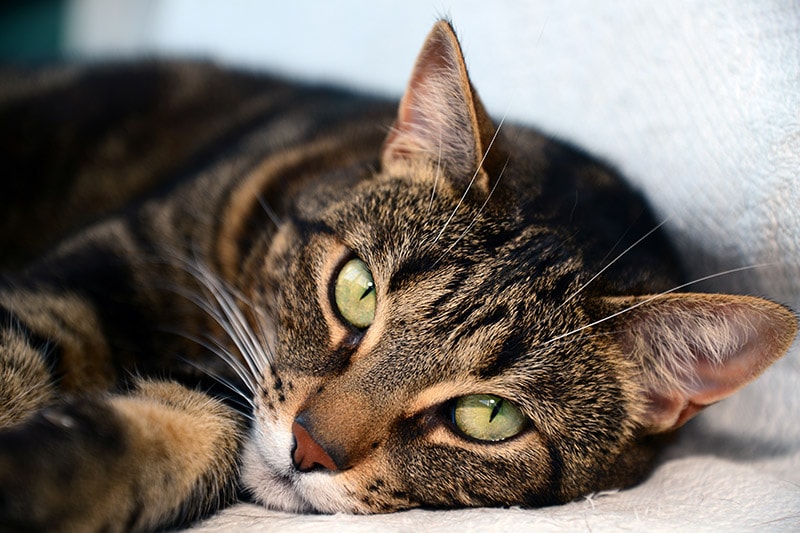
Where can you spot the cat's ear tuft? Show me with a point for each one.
(692, 350)
(441, 120)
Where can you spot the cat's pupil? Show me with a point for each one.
(369, 291)
(496, 409)
(487, 417)
(354, 294)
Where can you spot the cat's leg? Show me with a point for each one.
(49, 345)
(25, 374)
(159, 455)
(75, 456)
(90, 448)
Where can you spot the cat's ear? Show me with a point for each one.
(692, 350)
(440, 119)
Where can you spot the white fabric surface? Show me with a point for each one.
(698, 102)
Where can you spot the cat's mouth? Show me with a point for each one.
(268, 485)
(271, 479)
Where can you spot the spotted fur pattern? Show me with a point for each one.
(171, 234)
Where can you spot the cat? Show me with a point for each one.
(222, 285)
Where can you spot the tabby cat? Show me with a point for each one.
(222, 285)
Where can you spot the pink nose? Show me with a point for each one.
(308, 454)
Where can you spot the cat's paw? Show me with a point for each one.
(54, 469)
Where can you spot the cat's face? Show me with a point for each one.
(437, 335)
(458, 323)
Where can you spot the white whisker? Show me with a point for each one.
(226, 383)
(219, 350)
(471, 181)
(269, 211)
(235, 324)
(654, 297)
(239, 324)
(475, 218)
(223, 322)
(628, 249)
(438, 174)
(221, 306)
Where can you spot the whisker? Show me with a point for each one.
(609, 265)
(438, 174)
(471, 181)
(654, 297)
(227, 314)
(222, 353)
(475, 218)
(269, 211)
(226, 383)
(235, 325)
(234, 364)
(238, 322)
(222, 323)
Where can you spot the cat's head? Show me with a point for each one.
(453, 329)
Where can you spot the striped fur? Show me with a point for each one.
(171, 233)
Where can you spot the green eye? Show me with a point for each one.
(354, 293)
(488, 418)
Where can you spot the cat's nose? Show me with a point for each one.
(308, 454)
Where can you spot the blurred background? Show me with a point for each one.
(31, 29)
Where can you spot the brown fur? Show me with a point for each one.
(169, 350)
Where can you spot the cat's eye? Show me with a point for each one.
(354, 294)
(487, 417)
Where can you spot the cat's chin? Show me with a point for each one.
(270, 478)
(267, 487)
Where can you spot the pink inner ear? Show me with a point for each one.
(667, 413)
(716, 381)
(437, 119)
(696, 349)
(704, 384)
(431, 90)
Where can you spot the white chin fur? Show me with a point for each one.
(269, 489)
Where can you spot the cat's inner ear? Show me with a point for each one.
(692, 350)
(440, 119)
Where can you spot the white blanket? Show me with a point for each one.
(697, 102)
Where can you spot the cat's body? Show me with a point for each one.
(209, 217)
